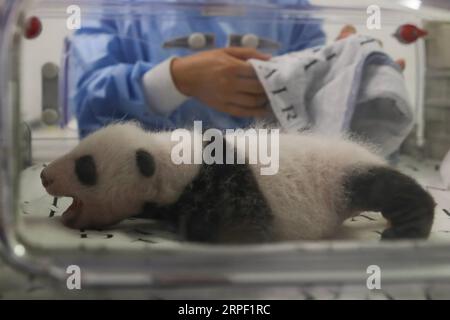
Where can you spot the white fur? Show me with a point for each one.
(306, 195)
(121, 190)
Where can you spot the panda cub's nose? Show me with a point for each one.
(45, 180)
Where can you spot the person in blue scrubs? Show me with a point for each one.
(169, 70)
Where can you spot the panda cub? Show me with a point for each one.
(122, 171)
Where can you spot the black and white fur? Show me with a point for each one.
(121, 170)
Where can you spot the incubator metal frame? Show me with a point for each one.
(193, 265)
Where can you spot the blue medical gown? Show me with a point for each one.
(108, 57)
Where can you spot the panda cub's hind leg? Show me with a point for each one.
(401, 200)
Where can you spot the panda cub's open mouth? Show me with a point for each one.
(73, 210)
(76, 205)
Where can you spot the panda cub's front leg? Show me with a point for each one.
(401, 200)
(223, 204)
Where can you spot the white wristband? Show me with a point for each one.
(160, 90)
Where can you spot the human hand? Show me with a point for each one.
(223, 80)
(348, 30)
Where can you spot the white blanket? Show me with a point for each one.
(445, 170)
(348, 86)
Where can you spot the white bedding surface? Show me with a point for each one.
(41, 225)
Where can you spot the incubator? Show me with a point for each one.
(42, 61)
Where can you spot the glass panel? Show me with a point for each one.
(83, 67)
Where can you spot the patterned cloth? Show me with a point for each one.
(349, 85)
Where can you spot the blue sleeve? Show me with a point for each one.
(306, 33)
(105, 74)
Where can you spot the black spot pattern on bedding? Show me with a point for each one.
(446, 212)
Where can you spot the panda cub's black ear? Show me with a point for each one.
(145, 162)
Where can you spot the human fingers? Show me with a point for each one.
(246, 53)
(239, 111)
(249, 101)
(346, 31)
(248, 85)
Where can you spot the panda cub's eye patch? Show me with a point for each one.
(86, 171)
(145, 163)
